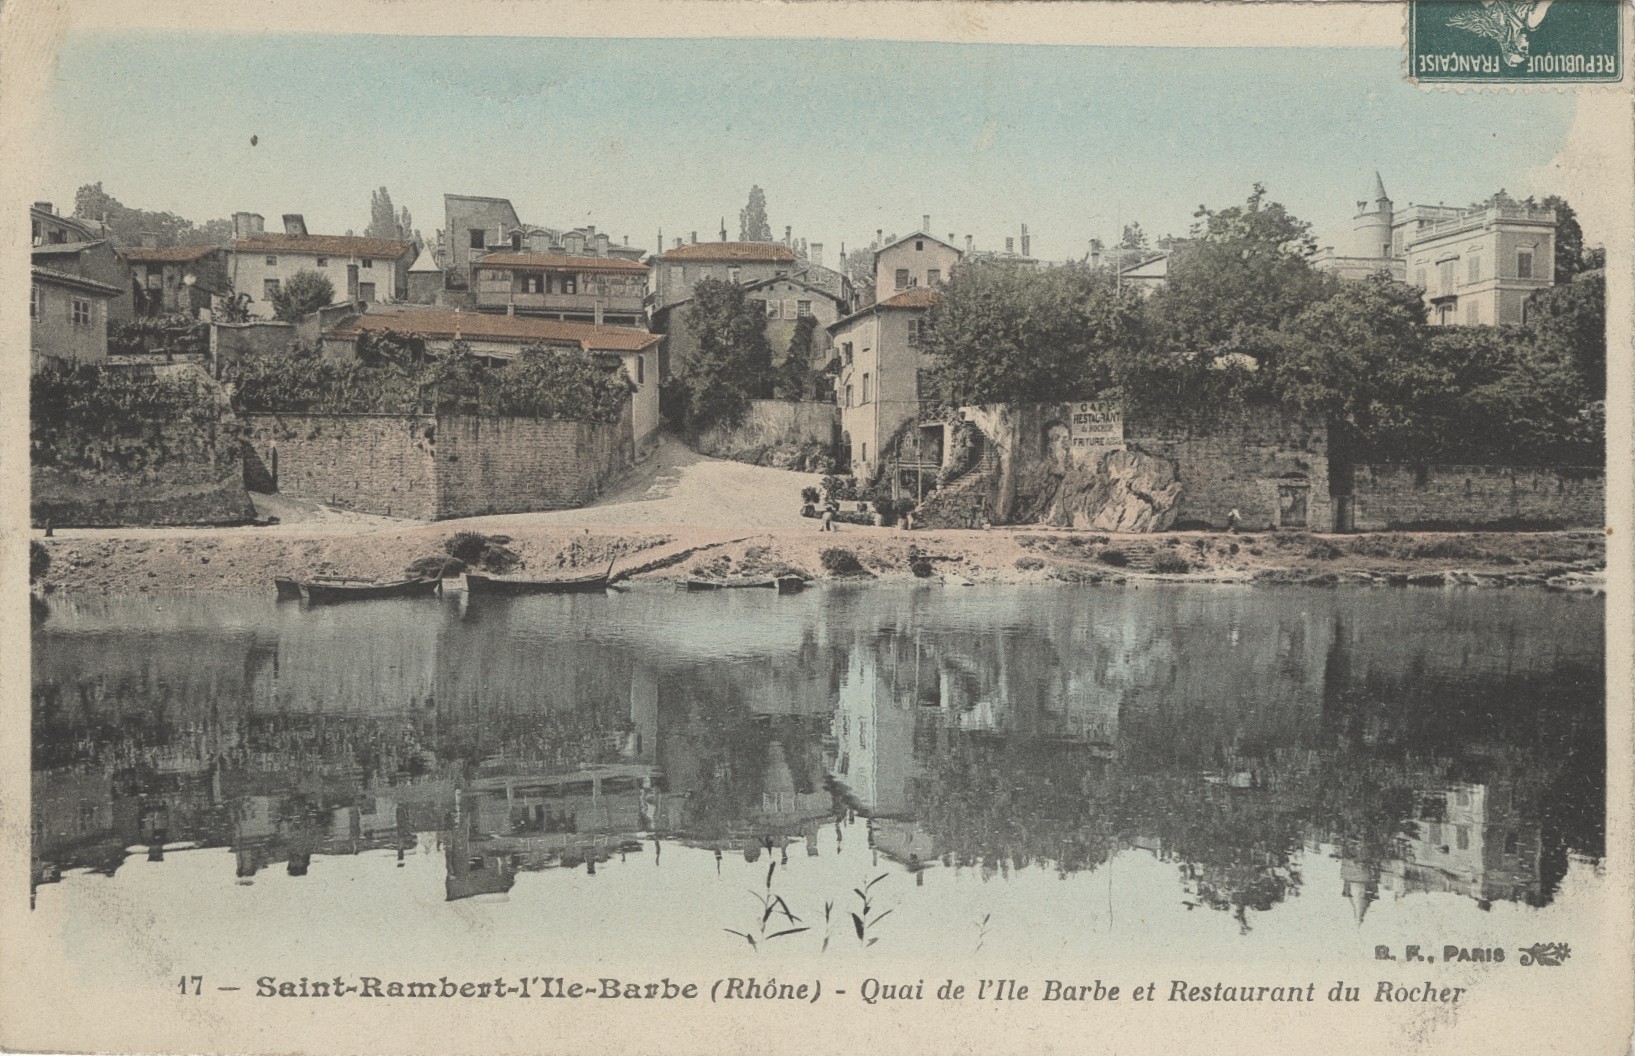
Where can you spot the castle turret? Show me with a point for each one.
(1372, 226)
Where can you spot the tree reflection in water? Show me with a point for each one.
(1431, 743)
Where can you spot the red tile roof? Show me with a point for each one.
(760, 252)
(480, 326)
(166, 254)
(324, 245)
(920, 297)
(559, 261)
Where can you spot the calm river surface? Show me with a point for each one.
(1022, 771)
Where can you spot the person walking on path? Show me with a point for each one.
(828, 524)
(1233, 519)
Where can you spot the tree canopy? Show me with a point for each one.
(733, 364)
(385, 220)
(128, 225)
(302, 293)
(753, 225)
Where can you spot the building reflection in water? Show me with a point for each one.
(1430, 745)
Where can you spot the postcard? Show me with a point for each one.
(735, 527)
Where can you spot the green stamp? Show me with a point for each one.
(1499, 42)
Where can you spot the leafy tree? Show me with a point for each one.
(1569, 322)
(306, 291)
(1133, 238)
(734, 360)
(753, 225)
(1570, 251)
(790, 379)
(128, 225)
(1244, 276)
(558, 383)
(858, 266)
(382, 215)
(1003, 333)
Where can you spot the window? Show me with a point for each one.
(919, 244)
(848, 395)
(641, 370)
(1419, 278)
(533, 283)
(33, 302)
(865, 457)
(1462, 836)
(1473, 272)
(366, 291)
(846, 353)
(865, 389)
(323, 262)
(732, 275)
(1444, 277)
(272, 261)
(1524, 263)
(916, 328)
(36, 232)
(570, 283)
(479, 238)
(368, 263)
(772, 308)
(677, 275)
(269, 289)
(155, 278)
(789, 308)
(902, 278)
(803, 308)
(79, 312)
(933, 277)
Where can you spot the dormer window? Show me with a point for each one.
(919, 244)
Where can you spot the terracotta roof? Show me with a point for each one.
(560, 261)
(519, 329)
(167, 254)
(775, 252)
(78, 282)
(919, 297)
(324, 245)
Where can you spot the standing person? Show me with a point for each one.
(828, 524)
(1233, 519)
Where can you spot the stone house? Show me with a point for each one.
(67, 246)
(68, 317)
(596, 290)
(503, 337)
(371, 270)
(1477, 266)
(883, 378)
(167, 279)
(477, 227)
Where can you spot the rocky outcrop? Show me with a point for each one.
(1127, 491)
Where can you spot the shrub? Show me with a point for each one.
(1029, 564)
(840, 489)
(498, 558)
(305, 291)
(39, 561)
(467, 546)
(810, 495)
(1116, 558)
(432, 565)
(1171, 563)
(839, 562)
(921, 567)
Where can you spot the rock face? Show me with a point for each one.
(1128, 491)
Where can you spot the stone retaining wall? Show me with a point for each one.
(1389, 496)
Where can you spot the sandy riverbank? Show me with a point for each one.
(247, 559)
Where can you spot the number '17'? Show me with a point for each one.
(192, 984)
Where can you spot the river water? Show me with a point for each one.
(908, 771)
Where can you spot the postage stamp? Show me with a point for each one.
(1503, 42)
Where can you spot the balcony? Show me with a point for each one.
(576, 303)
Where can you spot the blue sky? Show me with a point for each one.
(845, 136)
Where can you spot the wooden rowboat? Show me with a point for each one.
(337, 588)
(782, 584)
(478, 583)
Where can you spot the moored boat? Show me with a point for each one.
(479, 583)
(339, 588)
(730, 584)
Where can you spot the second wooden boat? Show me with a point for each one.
(479, 583)
(333, 589)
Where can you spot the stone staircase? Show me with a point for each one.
(961, 502)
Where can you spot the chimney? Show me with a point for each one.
(294, 224)
(925, 223)
(789, 236)
(879, 238)
(1026, 242)
(950, 238)
(694, 238)
(247, 224)
(1095, 252)
(590, 229)
(45, 207)
(150, 239)
(1010, 246)
(970, 245)
(601, 244)
(723, 229)
(661, 241)
(815, 254)
(678, 244)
